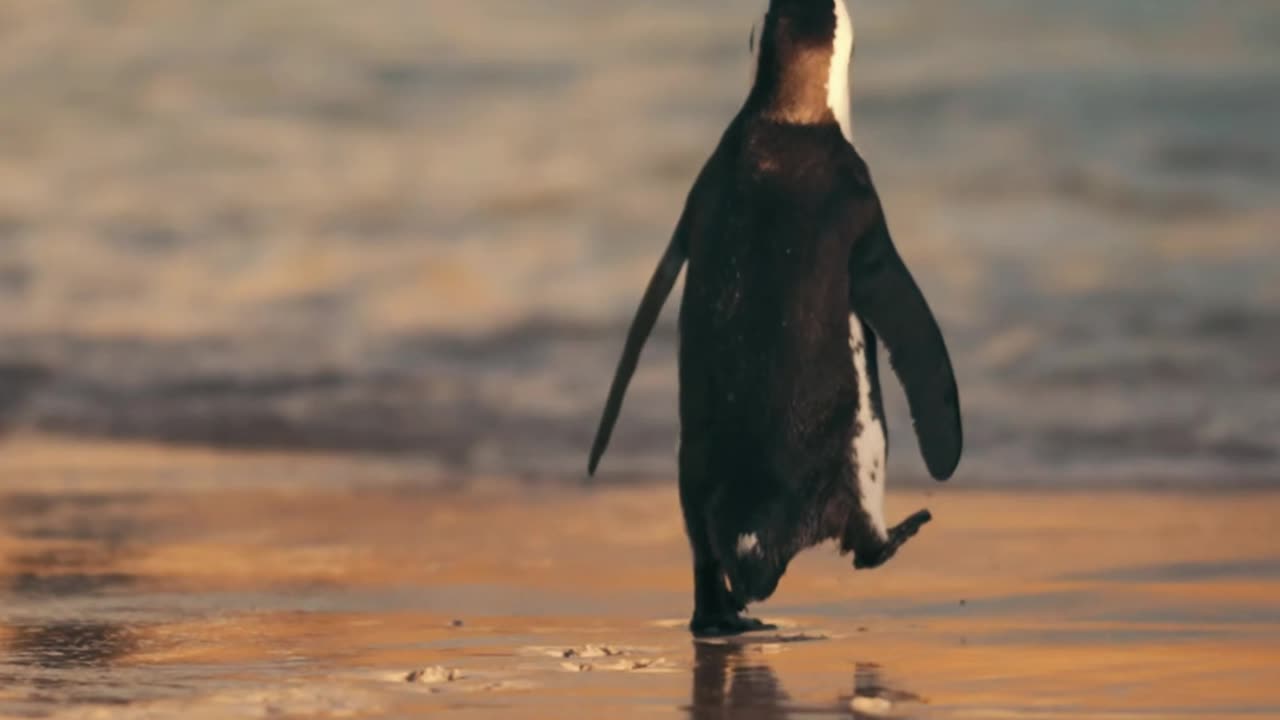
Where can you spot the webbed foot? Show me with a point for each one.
(727, 624)
(898, 536)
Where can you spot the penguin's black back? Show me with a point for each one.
(765, 363)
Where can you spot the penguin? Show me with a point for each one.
(793, 282)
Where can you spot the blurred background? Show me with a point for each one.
(419, 230)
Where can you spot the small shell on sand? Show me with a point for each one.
(577, 667)
(434, 675)
(871, 706)
(593, 651)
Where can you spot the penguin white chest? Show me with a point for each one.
(869, 447)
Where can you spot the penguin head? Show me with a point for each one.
(803, 49)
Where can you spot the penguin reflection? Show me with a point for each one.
(726, 684)
(729, 684)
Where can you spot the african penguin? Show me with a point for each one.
(793, 280)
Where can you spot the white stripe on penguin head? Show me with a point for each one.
(838, 80)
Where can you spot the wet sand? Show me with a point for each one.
(139, 581)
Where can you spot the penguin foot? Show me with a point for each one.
(725, 625)
(898, 536)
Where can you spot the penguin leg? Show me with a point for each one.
(870, 549)
(716, 613)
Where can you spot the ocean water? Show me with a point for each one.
(421, 229)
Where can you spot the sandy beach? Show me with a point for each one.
(168, 583)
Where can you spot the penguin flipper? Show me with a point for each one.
(655, 296)
(885, 296)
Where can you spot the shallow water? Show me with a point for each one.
(142, 582)
(421, 230)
